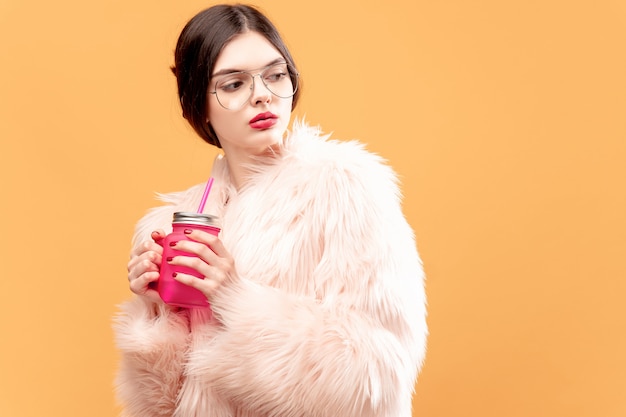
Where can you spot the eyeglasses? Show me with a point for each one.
(235, 89)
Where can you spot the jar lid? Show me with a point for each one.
(195, 218)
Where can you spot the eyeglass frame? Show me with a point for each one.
(292, 75)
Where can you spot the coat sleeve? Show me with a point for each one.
(356, 348)
(152, 340)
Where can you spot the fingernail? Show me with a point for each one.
(169, 259)
(174, 274)
(187, 231)
(173, 243)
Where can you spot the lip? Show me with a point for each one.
(263, 116)
(263, 121)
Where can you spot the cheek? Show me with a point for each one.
(223, 123)
(213, 108)
(218, 116)
(285, 107)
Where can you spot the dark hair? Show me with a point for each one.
(198, 47)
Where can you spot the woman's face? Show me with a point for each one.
(264, 117)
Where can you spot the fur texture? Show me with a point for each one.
(328, 318)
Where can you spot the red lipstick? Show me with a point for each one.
(263, 120)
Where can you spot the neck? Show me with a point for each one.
(240, 164)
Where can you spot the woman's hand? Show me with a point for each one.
(213, 262)
(143, 267)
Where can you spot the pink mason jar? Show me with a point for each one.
(170, 290)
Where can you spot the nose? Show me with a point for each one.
(260, 93)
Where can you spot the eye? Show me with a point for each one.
(276, 73)
(231, 83)
(231, 86)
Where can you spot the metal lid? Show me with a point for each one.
(196, 218)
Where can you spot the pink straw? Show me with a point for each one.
(207, 190)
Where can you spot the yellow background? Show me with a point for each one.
(505, 120)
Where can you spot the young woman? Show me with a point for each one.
(317, 304)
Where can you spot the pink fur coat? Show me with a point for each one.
(328, 318)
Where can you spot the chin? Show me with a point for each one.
(272, 136)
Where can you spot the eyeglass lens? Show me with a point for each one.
(234, 90)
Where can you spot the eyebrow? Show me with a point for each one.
(224, 71)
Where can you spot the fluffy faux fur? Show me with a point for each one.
(328, 318)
